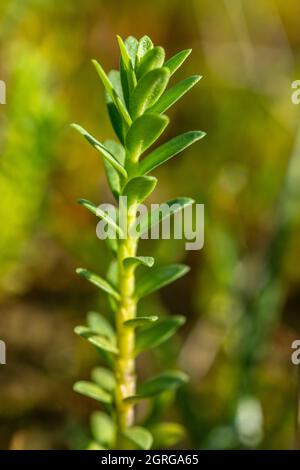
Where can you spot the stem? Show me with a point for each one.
(125, 362)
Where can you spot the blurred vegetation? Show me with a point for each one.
(242, 295)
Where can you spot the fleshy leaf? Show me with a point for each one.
(156, 334)
(112, 93)
(143, 133)
(92, 391)
(159, 277)
(141, 437)
(134, 261)
(128, 66)
(174, 94)
(101, 214)
(177, 60)
(148, 91)
(145, 44)
(140, 321)
(169, 150)
(131, 44)
(103, 428)
(101, 342)
(169, 380)
(100, 325)
(118, 151)
(99, 282)
(104, 378)
(156, 215)
(139, 188)
(115, 116)
(153, 59)
(167, 434)
(101, 148)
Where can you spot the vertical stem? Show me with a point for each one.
(125, 362)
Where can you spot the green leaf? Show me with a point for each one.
(148, 91)
(166, 435)
(112, 93)
(131, 44)
(169, 150)
(174, 94)
(97, 340)
(104, 378)
(140, 321)
(166, 381)
(156, 334)
(127, 62)
(156, 215)
(116, 119)
(118, 151)
(153, 59)
(103, 428)
(145, 44)
(92, 391)
(101, 148)
(138, 189)
(139, 436)
(100, 325)
(177, 60)
(159, 277)
(101, 214)
(99, 282)
(134, 261)
(143, 133)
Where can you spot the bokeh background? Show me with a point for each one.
(242, 296)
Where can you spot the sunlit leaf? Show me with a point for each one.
(102, 149)
(103, 428)
(101, 342)
(139, 188)
(113, 177)
(144, 45)
(134, 261)
(159, 277)
(153, 59)
(169, 150)
(141, 437)
(148, 91)
(167, 434)
(156, 215)
(112, 93)
(92, 390)
(152, 336)
(99, 324)
(101, 214)
(174, 94)
(140, 321)
(143, 133)
(104, 378)
(98, 281)
(177, 60)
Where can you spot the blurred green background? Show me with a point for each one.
(242, 296)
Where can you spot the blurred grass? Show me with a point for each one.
(241, 298)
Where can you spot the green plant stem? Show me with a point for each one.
(125, 362)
